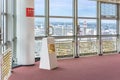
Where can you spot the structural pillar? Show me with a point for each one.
(25, 32)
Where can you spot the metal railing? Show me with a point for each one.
(5, 64)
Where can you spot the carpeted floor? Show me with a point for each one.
(85, 68)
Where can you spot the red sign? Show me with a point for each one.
(29, 12)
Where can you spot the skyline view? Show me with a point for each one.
(66, 29)
(61, 20)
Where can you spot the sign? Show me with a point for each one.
(29, 12)
(51, 48)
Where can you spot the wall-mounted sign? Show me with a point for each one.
(29, 12)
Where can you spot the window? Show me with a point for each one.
(109, 44)
(108, 27)
(88, 46)
(39, 7)
(88, 26)
(39, 27)
(108, 10)
(3, 23)
(61, 26)
(38, 44)
(61, 8)
(64, 47)
(87, 8)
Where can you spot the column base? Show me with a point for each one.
(76, 57)
(100, 54)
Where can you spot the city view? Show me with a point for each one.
(61, 24)
(66, 29)
(86, 45)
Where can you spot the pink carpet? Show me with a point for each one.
(85, 68)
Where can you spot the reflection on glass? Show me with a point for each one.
(88, 46)
(108, 10)
(109, 44)
(61, 26)
(108, 27)
(39, 27)
(87, 8)
(39, 7)
(87, 27)
(61, 8)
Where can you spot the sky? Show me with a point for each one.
(64, 8)
(86, 8)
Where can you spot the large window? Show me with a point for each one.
(109, 27)
(95, 26)
(3, 23)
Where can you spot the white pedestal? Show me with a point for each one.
(48, 58)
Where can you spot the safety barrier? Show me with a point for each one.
(5, 64)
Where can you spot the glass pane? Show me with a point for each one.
(88, 46)
(61, 26)
(39, 7)
(61, 8)
(39, 27)
(108, 10)
(88, 26)
(38, 44)
(109, 44)
(64, 47)
(108, 27)
(87, 8)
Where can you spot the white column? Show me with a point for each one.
(25, 33)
